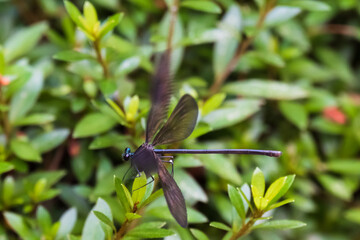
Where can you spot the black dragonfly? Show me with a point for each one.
(178, 127)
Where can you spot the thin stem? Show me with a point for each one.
(100, 58)
(122, 230)
(173, 11)
(245, 229)
(219, 80)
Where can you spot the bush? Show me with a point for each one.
(266, 74)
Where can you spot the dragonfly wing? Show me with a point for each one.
(174, 198)
(181, 122)
(160, 96)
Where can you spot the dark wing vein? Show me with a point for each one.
(180, 124)
(160, 96)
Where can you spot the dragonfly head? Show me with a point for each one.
(127, 154)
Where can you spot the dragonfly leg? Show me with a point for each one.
(152, 179)
(169, 161)
(123, 179)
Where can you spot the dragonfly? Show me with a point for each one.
(178, 127)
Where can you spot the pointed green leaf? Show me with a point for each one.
(139, 188)
(25, 150)
(121, 194)
(72, 56)
(24, 41)
(204, 6)
(67, 222)
(25, 98)
(288, 182)
(295, 113)
(102, 217)
(90, 14)
(152, 197)
(5, 167)
(92, 229)
(220, 225)
(132, 216)
(258, 181)
(279, 204)
(74, 13)
(110, 24)
(280, 224)
(236, 201)
(265, 89)
(93, 124)
(17, 223)
(213, 103)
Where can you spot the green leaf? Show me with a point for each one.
(110, 24)
(309, 5)
(295, 113)
(353, 215)
(220, 225)
(337, 64)
(25, 151)
(213, 103)
(225, 47)
(17, 223)
(93, 124)
(258, 181)
(236, 201)
(43, 219)
(285, 187)
(5, 167)
(24, 99)
(49, 140)
(109, 140)
(279, 204)
(152, 197)
(336, 186)
(230, 115)
(270, 58)
(116, 108)
(199, 235)
(258, 188)
(24, 41)
(222, 166)
(90, 14)
(344, 166)
(132, 216)
(131, 107)
(67, 223)
(2, 60)
(164, 213)
(74, 14)
(35, 119)
(127, 66)
(139, 188)
(280, 224)
(191, 190)
(265, 89)
(102, 217)
(92, 229)
(324, 125)
(275, 188)
(72, 56)
(141, 232)
(281, 14)
(204, 6)
(121, 195)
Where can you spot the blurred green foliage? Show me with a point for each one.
(267, 74)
